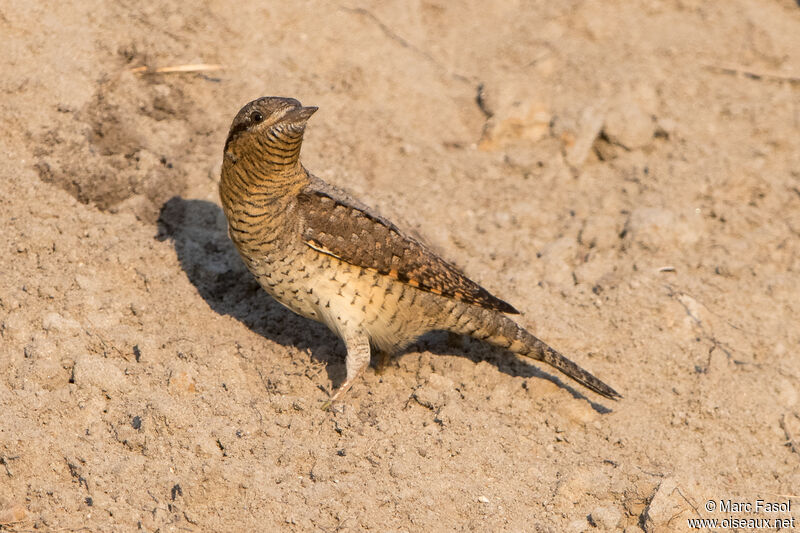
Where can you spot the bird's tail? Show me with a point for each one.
(501, 331)
(543, 352)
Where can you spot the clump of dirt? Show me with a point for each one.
(119, 151)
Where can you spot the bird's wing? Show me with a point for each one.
(339, 226)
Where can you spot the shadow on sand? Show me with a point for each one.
(198, 231)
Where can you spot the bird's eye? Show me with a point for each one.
(256, 117)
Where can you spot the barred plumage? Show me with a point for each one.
(328, 257)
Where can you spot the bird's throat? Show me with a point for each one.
(267, 164)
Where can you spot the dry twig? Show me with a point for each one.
(197, 67)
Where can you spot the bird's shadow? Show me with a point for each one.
(198, 231)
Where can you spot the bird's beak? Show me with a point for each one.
(298, 115)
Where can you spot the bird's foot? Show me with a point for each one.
(336, 395)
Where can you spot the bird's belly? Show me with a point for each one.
(348, 298)
(288, 278)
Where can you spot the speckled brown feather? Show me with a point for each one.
(351, 234)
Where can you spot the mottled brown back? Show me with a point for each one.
(351, 233)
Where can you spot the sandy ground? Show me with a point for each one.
(627, 174)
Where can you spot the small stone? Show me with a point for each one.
(434, 394)
(515, 123)
(483, 499)
(666, 509)
(56, 322)
(590, 125)
(628, 126)
(440, 382)
(13, 513)
(48, 372)
(606, 517)
(14, 326)
(86, 283)
(577, 526)
(90, 371)
(654, 228)
(182, 382)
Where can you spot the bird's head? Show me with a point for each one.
(271, 125)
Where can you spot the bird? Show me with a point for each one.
(328, 257)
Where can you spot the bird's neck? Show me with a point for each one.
(256, 196)
(266, 166)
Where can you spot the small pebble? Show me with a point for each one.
(606, 517)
